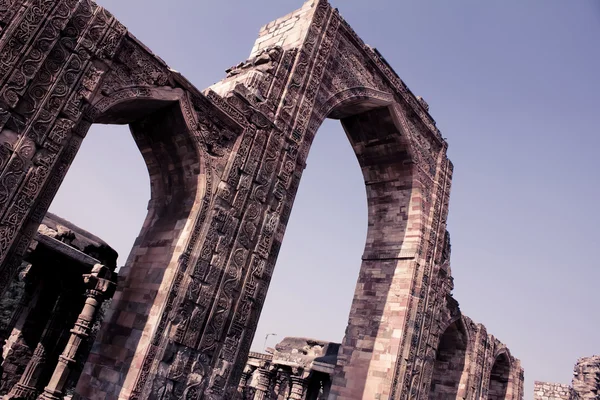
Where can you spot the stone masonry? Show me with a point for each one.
(225, 165)
(551, 391)
(585, 384)
(586, 379)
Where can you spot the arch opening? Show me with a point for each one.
(449, 363)
(383, 152)
(499, 378)
(317, 266)
(101, 200)
(384, 157)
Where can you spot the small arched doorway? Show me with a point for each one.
(499, 378)
(449, 363)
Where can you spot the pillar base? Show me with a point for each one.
(50, 395)
(22, 392)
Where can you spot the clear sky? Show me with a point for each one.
(514, 87)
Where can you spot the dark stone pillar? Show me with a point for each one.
(27, 333)
(29, 384)
(299, 385)
(245, 382)
(278, 384)
(100, 288)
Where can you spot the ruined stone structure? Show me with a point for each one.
(225, 165)
(476, 369)
(64, 267)
(298, 368)
(551, 391)
(585, 384)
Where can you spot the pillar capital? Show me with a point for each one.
(99, 282)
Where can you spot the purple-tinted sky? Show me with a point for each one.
(514, 87)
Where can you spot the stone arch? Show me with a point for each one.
(448, 380)
(386, 161)
(224, 181)
(180, 184)
(354, 101)
(324, 70)
(500, 376)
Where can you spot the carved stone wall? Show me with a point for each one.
(225, 166)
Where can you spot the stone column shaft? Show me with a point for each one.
(27, 387)
(299, 386)
(264, 385)
(244, 382)
(277, 386)
(101, 288)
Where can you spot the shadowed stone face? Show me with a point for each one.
(41, 307)
(225, 165)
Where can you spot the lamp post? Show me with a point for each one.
(267, 338)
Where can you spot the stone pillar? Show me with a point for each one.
(28, 331)
(278, 380)
(263, 389)
(245, 381)
(100, 288)
(27, 387)
(299, 385)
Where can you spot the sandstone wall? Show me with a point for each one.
(585, 385)
(550, 391)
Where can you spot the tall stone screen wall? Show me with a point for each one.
(225, 165)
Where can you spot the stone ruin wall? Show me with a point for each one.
(225, 165)
(585, 384)
(551, 391)
(586, 379)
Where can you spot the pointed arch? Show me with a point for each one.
(499, 376)
(448, 372)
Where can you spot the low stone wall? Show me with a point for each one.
(585, 385)
(551, 391)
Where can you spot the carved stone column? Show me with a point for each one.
(278, 380)
(245, 381)
(263, 390)
(299, 380)
(27, 333)
(27, 387)
(100, 287)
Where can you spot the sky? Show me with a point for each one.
(513, 86)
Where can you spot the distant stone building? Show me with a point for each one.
(585, 384)
(298, 368)
(52, 308)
